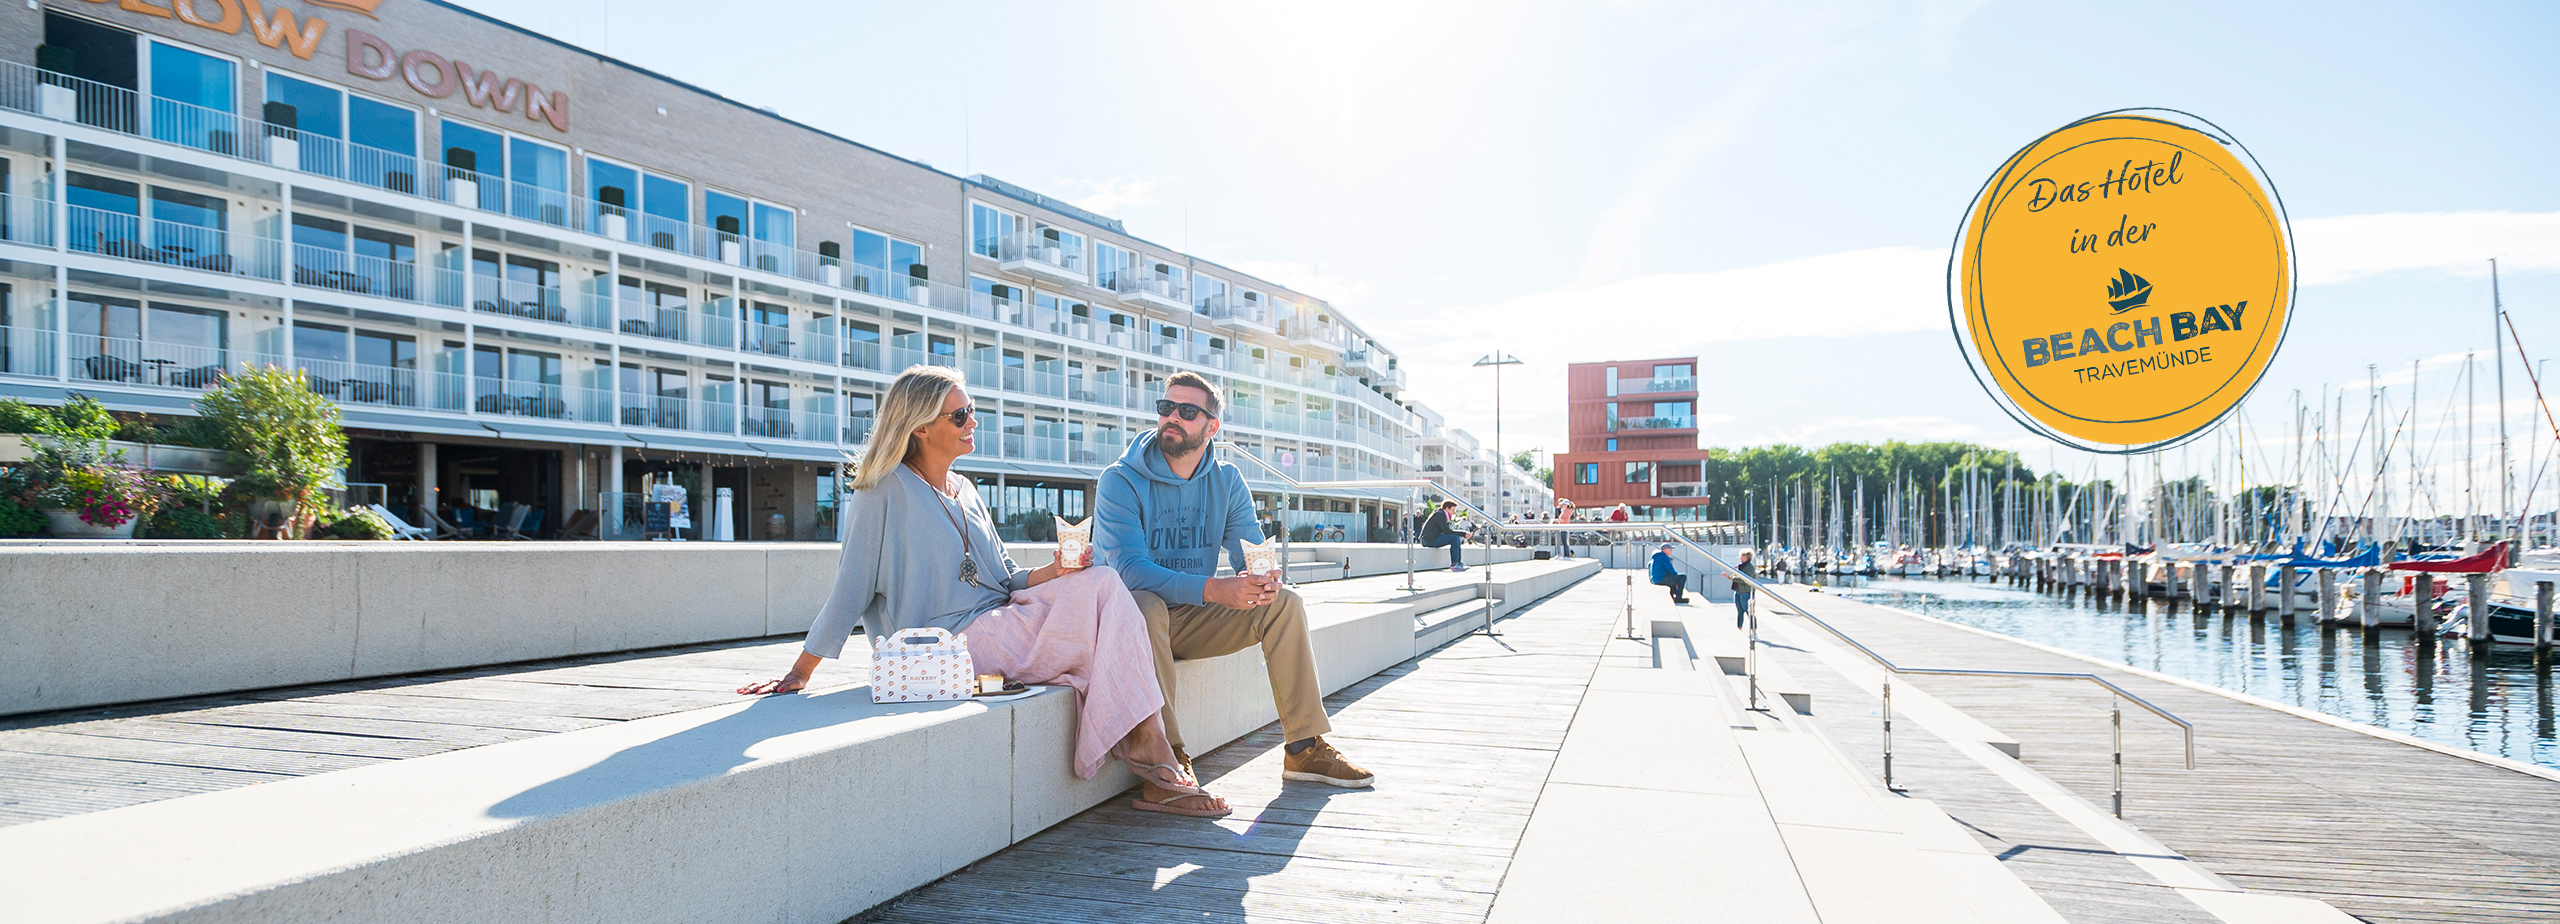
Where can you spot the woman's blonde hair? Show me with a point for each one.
(913, 401)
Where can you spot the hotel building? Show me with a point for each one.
(530, 273)
(1632, 427)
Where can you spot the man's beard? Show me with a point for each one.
(1175, 446)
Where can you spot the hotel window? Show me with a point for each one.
(99, 53)
(612, 192)
(518, 285)
(1586, 473)
(475, 158)
(1253, 307)
(1678, 371)
(858, 412)
(191, 99)
(540, 175)
(1613, 444)
(1108, 263)
(988, 228)
(877, 256)
(1069, 247)
(862, 344)
(117, 340)
(666, 205)
(1209, 295)
(1673, 409)
(776, 236)
(341, 134)
(727, 216)
(1639, 472)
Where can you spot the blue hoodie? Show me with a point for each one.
(1161, 531)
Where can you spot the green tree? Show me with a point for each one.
(282, 436)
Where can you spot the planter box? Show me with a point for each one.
(167, 460)
(66, 524)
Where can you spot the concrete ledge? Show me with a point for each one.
(798, 809)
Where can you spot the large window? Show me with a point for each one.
(118, 340)
(668, 204)
(1209, 294)
(1108, 263)
(1639, 472)
(1586, 473)
(988, 227)
(727, 216)
(338, 134)
(777, 236)
(541, 181)
(191, 99)
(475, 165)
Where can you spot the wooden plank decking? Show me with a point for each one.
(2278, 803)
(1461, 740)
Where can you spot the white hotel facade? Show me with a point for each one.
(529, 273)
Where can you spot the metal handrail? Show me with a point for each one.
(1413, 483)
(2117, 709)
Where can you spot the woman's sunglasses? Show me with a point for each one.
(1166, 406)
(960, 418)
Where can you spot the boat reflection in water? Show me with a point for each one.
(2500, 704)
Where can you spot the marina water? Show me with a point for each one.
(2501, 704)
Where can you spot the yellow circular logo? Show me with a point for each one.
(2123, 281)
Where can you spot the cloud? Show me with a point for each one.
(2345, 248)
(1112, 196)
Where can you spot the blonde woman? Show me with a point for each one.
(920, 550)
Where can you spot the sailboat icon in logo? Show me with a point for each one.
(2127, 291)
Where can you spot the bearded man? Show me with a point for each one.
(1165, 510)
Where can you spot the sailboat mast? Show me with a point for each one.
(2497, 323)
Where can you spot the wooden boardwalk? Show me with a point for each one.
(2278, 803)
(1461, 740)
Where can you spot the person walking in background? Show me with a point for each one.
(1437, 532)
(1743, 573)
(1564, 516)
(1667, 574)
(1162, 514)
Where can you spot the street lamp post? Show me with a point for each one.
(1497, 361)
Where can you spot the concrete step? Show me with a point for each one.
(1308, 572)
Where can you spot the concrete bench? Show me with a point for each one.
(799, 808)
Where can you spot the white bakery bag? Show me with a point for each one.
(921, 665)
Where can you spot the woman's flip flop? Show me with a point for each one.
(1172, 778)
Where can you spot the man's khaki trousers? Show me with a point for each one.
(1186, 632)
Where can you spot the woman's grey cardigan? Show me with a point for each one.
(901, 565)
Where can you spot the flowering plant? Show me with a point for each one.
(75, 474)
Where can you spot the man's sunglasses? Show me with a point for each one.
(1166, 406)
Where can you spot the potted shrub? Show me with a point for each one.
(84, 492)
(284, 438)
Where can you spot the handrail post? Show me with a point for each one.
(2115, 719)
(1888, 737)
(1406, 527)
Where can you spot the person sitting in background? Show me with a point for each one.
(1668, 575)
(1437, 532)
(921, 551)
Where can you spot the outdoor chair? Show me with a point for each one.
(511, 522)
(400, 529)
(444, 529)
(581, 525)
(467, 522)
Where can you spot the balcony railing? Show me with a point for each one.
(773, 422)
(1681, 422)
(1132, 284)
(1656, 385)
(26, 351)
(359, 274)
(359, 383)
(1036, 252)
(1679, 488)
(123, 361)
(663, 322)
(768, 339)
(116, 234)
(521, 399)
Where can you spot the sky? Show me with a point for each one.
(1771, 187)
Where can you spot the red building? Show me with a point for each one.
(1632, 429)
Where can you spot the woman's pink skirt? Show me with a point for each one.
(1080, 629)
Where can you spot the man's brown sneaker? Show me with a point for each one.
(1320, 763)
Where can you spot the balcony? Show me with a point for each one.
(519, 398)
(1152, 291)
(1054, 257)
(121, 361)
(773, 422)
(169, 243)
(1235, 313)
(1680, 488)
(1306, 331)
(1652, 423)
(1657, 385)
(1359, 359)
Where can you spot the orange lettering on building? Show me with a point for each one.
(553, 108)
(278, 30)
(229, 24)
(486, 90)
(144, 6)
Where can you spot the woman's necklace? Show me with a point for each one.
(968, 556)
